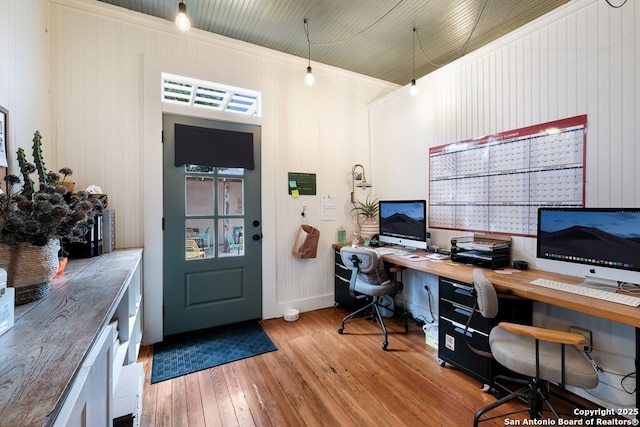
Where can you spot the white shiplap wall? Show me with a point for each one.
(583, 58)
(105, 63)
(24, 70)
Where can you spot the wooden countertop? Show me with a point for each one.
(518, 283)
(41, 355)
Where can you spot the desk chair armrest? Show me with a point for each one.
(543, 334)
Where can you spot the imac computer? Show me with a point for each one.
(601, 245)
(403, 222)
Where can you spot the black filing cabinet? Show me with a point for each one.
(342, 278)
(455, 306)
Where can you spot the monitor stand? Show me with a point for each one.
(599, 283)
(404, 248)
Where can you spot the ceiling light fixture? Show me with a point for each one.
(308, 78)
(182, 20)
(414, 89)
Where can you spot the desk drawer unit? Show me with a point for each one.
(455, 307)
(341, 286)
(453, 349)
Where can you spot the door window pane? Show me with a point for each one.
(199, 238)
(200, 169)
(199, 195)
(231, 239)
(230, 171)
(230, 196)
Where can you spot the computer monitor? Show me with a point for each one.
(601, 245)
(403, 222)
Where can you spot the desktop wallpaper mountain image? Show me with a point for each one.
(401, 224)
(584, 242)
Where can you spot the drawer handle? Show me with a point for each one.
(342, 267)
(464, 312)
(461, 332)
(343, 279)
(464, 292)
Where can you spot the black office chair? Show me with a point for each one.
(543, 355)
(369, 280)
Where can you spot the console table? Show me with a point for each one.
(60, 362)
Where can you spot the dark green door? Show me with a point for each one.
(212, 231)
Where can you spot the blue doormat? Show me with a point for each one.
(205, 349)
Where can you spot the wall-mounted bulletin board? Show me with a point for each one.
(497, 183)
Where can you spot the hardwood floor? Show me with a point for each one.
(318, 377)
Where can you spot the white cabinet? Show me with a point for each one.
(85, 332)
(117, 346)
(90, 400)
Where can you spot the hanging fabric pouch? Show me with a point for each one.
(306, 243)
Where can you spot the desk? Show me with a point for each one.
(518, 284)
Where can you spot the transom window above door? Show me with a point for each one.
(203, 94)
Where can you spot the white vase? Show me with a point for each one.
(369, 228)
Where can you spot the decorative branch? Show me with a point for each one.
(26, 169)
(38, 158)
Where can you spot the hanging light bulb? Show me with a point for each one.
(308, 78)
(182, 20)
(413, 91)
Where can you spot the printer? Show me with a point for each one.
(482, 250)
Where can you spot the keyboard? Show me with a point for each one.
(588, 292)
(437, 256)
(383, 251)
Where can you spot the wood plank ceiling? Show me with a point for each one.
(370, 37)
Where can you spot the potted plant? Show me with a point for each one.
(33, 222)
(367, 217)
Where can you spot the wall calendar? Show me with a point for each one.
(497, 183)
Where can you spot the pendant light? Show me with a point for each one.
(414, 89)
(308, 78)
(182, 20)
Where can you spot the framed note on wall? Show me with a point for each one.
(4, 117)
(497, 183)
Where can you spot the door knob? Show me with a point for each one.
(257, 236)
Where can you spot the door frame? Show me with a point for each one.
(151, 204)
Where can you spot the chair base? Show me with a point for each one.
(536, 393)
(374, 313)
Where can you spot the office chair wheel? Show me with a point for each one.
(340, 330)
(384, 345)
